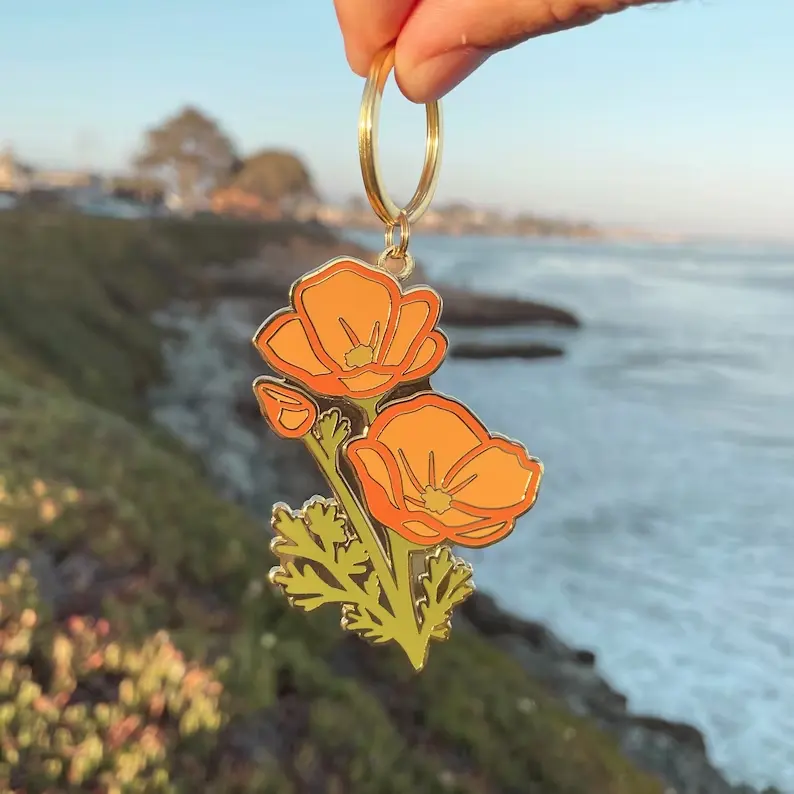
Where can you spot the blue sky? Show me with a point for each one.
(677, 117)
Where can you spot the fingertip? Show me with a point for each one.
(369, 25)
(433, 78)
(359, 60)
(411, 91)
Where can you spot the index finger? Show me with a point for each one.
(369, 25)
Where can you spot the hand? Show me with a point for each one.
(441, 42)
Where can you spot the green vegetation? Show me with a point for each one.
(140, 647)
(272, 175)
(190, 153)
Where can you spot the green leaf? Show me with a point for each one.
(304, 587)
(323, 519)
(372, 587)
(447, 583)
(361, 622)
(290, 528)
(353, 558)
(318, 558)
(333, 430)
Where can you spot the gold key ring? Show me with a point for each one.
(368, 119)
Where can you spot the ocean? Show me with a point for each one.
(663, 537)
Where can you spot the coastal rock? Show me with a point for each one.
(272, 273)
(674, 751)
(484, 350)
(464, 308)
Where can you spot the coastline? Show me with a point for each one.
(119, 518)
(547, 230)
(674, 751)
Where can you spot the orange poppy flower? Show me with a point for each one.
(431, 472)
(289, 412)
(352, 332)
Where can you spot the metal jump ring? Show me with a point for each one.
(368, 118)
(408, 262)
(405, 236)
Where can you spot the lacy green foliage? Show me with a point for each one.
(317, 537)
(318, 534)
(302, 708)
(81, 711)
(446, 584)
(332, 430)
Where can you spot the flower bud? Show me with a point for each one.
(289, 412)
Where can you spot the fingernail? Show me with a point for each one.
(437, 76)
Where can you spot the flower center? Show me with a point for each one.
(359, 356)
(436, 500)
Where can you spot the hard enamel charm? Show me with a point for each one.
(413, 472)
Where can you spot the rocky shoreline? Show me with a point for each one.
(524, 350)
(279, 265)
(674, 751)
(206, 402)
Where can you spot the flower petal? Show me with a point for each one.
(283, 343)
(412, 429)
(483, 535)
(420, 533)
(429, 356)
(497, 476)
(373, 467)
(367, 384)
(296, 421)
(455, 517)
(418, 313)
(347, 304)
(377, 472)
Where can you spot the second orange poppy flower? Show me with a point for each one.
(431, 472)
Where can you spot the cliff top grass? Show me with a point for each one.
(140, 647)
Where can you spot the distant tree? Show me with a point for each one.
(190, 152)
(273, 175)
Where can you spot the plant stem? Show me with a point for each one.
(414, 640)
(395, 570)
(368, 407)
(358, 519)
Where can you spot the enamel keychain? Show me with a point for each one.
(413, 472)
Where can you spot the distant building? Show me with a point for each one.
(239, 203)
(140, 190)
(14, 177)
(65, 180)
(70, 187)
